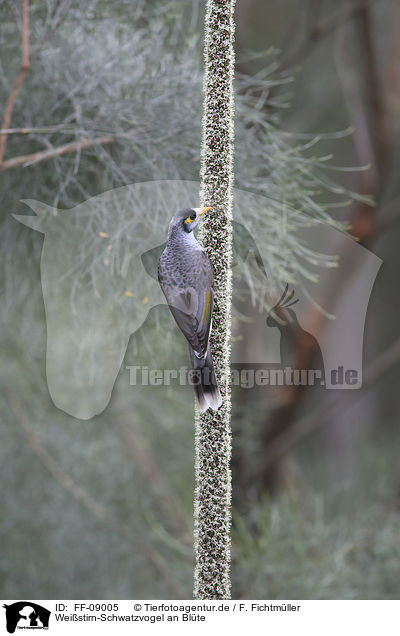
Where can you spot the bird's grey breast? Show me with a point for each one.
(185, 267)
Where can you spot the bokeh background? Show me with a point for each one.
(112, 96)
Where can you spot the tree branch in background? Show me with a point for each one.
(62, 128)
(98, 510)
(317, 33)
(139, 449)
(364, 226)
(314, 420)
(374, 87)
(44, 155)
(25, 66)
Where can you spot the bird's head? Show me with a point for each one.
(187, 219)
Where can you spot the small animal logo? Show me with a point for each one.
(299, 349)
(25, 614)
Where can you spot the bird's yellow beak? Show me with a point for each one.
(198, 211)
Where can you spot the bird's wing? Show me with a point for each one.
(192, 307)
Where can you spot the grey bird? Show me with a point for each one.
(186, 278)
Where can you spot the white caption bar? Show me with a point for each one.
(175, 617)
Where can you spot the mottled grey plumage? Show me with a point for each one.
(186, 278)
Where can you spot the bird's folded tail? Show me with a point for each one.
(205, 383)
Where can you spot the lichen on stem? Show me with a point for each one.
(213, 433)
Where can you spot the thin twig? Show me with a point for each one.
(25, 66)
(84, 498)
(44, 155)
(60, 128)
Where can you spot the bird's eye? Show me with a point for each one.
(191, 218)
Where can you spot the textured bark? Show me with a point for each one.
(213, 433)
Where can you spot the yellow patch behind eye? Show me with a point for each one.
(188, 220)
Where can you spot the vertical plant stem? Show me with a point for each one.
(213, 433)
